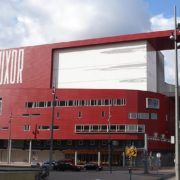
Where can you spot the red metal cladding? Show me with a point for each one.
(136, 102)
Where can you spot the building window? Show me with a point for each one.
(104, 128)
(26, 127)
(141, 128)
(5, 128)
(78, 128)
(41, 104)
(152, 103)
(43, 127)
(95, 128)
(113, 128)
(55, 127)
(121, 128)
(143, 115)
(79, 114)
(132, 115)
(62, 103)
(49, 104)
(31, 115)
(153, 115)
(102, 114)
(86, 128)
(106, 102)
(131, 128)
(92, 102)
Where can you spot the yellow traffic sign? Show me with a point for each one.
(131, 151)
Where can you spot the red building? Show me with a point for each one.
(85, 119)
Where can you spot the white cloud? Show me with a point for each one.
(160, 22)
(29, 22)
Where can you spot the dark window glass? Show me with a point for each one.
(99, 102)
(113, 127)
(49, 103)
(30, 104)
(119, 102)
(106, 102)
(41, 104)
(104, 128)
(78, 128)
(86, 128)
(55, 127)
(62, 103)
(83, 103)
(95, 128)
(102, 114)
(70, 103)
(79, 114)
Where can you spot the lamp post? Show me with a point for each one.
(52, 128)
(177, 123)
(9, 140)
(109, 140)
(145, 154)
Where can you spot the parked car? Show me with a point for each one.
(53, 164)
(92, 166)
(35, 164)
(63, 166)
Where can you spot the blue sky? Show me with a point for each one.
(163, 6)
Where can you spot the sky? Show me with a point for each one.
(33, 22)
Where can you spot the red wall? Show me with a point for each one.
(14, 101)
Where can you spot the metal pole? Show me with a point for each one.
(30, 151)
(9, 140)
(145, 155)
(75, 157)
(177, 158)
(109, 141)
(52, 128)
(99, 158)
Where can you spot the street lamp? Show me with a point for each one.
(9, 140)
(177, 123)
(52, 128)
(109, 140)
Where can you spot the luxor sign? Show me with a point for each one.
(11, 66)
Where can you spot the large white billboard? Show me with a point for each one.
(115, 66)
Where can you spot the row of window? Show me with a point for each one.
(130, 115)
(91, 102)
(31, 115)
(27, 127)
(142, 116)
(114, 128)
